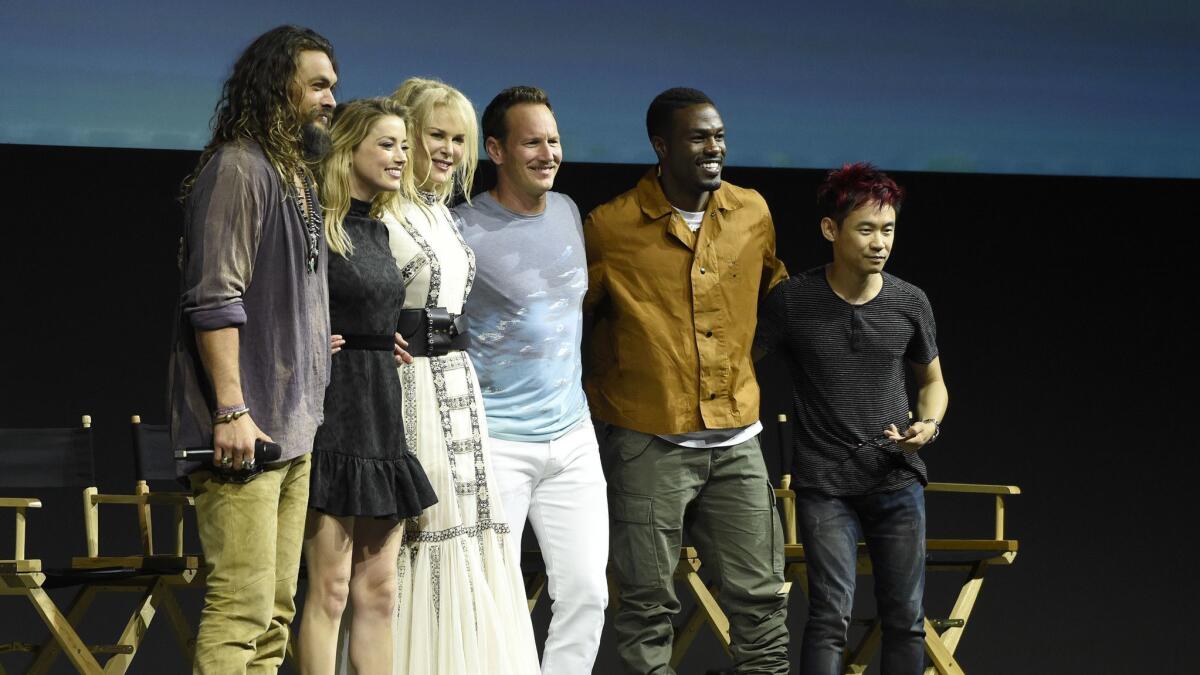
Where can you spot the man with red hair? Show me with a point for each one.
(847, 329)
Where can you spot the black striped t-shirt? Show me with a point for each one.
(847, 365)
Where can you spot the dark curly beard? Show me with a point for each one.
(315, 142)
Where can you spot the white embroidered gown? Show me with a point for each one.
(461, 606)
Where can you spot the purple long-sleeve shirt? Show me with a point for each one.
(245, 266)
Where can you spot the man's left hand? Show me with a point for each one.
(912, 438)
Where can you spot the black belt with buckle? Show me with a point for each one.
(433, 332)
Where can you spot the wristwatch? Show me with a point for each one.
(937, 429)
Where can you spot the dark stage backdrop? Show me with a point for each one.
(1062, 308)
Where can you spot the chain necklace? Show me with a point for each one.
(312, 223)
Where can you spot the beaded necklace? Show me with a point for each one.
(312, 223)
(430, 198)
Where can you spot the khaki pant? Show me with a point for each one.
(251, 534)
(730, 508)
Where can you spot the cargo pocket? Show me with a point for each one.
(776, 530)
(634, 557)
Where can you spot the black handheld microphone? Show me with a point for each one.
(265, 452)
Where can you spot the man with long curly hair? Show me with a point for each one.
(252, 347)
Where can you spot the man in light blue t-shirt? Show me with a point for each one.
(526, 325)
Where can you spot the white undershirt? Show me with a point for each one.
(691, 218)
(714, 438)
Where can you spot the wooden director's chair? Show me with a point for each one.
(970, 558)
(38, 459)
(687, 572)
(159, 574)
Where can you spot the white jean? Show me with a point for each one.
(560, 487)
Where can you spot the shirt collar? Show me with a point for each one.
(655, 205)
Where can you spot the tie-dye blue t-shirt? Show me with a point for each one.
(525, 311)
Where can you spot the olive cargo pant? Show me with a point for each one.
(731, 517)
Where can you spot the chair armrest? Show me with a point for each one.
(157, 498)
(787, 497)
(171, 498)
(118, 499)
(143, 501)
(20, 502)
(974, 488)
(999, 492)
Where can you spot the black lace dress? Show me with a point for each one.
(361, 463)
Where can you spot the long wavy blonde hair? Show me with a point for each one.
(351, 123)
(423, 96)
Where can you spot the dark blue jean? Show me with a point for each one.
(893, 526)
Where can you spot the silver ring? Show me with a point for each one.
(247, 464)
(226, 461)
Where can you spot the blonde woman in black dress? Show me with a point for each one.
(365, 480)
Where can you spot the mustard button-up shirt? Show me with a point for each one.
(674, 311)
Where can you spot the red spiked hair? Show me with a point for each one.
(853, 185)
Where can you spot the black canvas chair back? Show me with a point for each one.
(47, 458)
(153, 456)
(152, 575)
(34, 460)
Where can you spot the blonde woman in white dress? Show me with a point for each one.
(461, 606)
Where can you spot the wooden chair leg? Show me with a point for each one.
(48, 652)
(859, 658)
(688, 571)
(61, 629)
(614, 593)
(944, 662)
(685, 635)
(963, 606)
(706, 610)
(799, 574)
(135, 628)
(537, 584)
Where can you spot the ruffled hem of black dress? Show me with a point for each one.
(348, 485)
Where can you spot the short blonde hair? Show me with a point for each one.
(422, 96)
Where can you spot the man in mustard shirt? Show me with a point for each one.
(676, 268)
